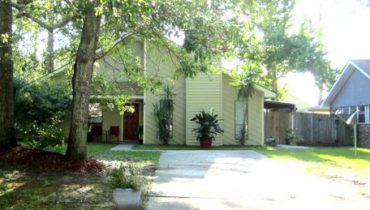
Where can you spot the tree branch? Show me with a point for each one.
(100, 53)
(43, 24)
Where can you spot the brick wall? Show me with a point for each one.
(363, 135)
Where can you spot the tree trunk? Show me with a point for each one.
(81, 83)
(7, 130)
(274, 82)
(50, 52)
(321, 90)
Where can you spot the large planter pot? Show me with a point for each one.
(126, 199)
(206, 142)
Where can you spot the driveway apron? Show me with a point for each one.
(244, 180)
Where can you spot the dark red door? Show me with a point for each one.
(131, 124)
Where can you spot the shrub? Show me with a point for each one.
(127, 177)
(39, 110)
(163, 113)
(292, 137)
(41, 136)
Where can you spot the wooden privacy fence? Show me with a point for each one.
(325, 130)
(277, 122)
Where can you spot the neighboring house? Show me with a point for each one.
(193, 95)
(351, 93)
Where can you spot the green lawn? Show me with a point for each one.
(180, 147)
(325, 161)
(102, 151)
(23, 188)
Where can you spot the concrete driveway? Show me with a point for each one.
(245, 180)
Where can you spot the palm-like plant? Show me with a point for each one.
(163, 113)
(208, 126)
(245, 82)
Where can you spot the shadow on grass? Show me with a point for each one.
(33, 189)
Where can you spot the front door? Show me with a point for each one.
(131, 124)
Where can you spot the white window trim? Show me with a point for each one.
(367, 112)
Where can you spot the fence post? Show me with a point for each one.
(311, 128)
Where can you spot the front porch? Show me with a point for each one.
(109, 126)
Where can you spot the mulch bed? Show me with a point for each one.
(44, 160)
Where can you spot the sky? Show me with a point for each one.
(346, 35)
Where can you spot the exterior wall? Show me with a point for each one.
(230, 95)
(159, 63)
(112, 118)
(353, 92)
(256, 119)
(255, 115)
(363, 135)
(111, 64)
(203, 93)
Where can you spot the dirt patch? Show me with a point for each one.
(44, 160)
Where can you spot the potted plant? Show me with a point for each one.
(208, 127)
(127, 183)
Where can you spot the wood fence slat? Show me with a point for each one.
(325, 130)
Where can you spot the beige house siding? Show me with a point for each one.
(112, 118)
(230, 95)
(158, 63)
(255, 113)
(111, 65)
(203, 93)
(255, 119)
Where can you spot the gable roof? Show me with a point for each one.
(360, 65)
(267, 93)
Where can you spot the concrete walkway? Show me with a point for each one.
(244, 180)
(122, 147)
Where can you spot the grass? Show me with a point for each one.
(103, 151)
(183, 147)
(31, 189)
(24, 188)
(325, 161)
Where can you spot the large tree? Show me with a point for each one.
(7, 130)
(82, 79)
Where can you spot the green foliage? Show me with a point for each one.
(163, 113)
(268, 40)
(128, 176)
(39, 111)
(245, 79)
(292, 137)
(41, 103)
(208, 125)
(40, 136)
